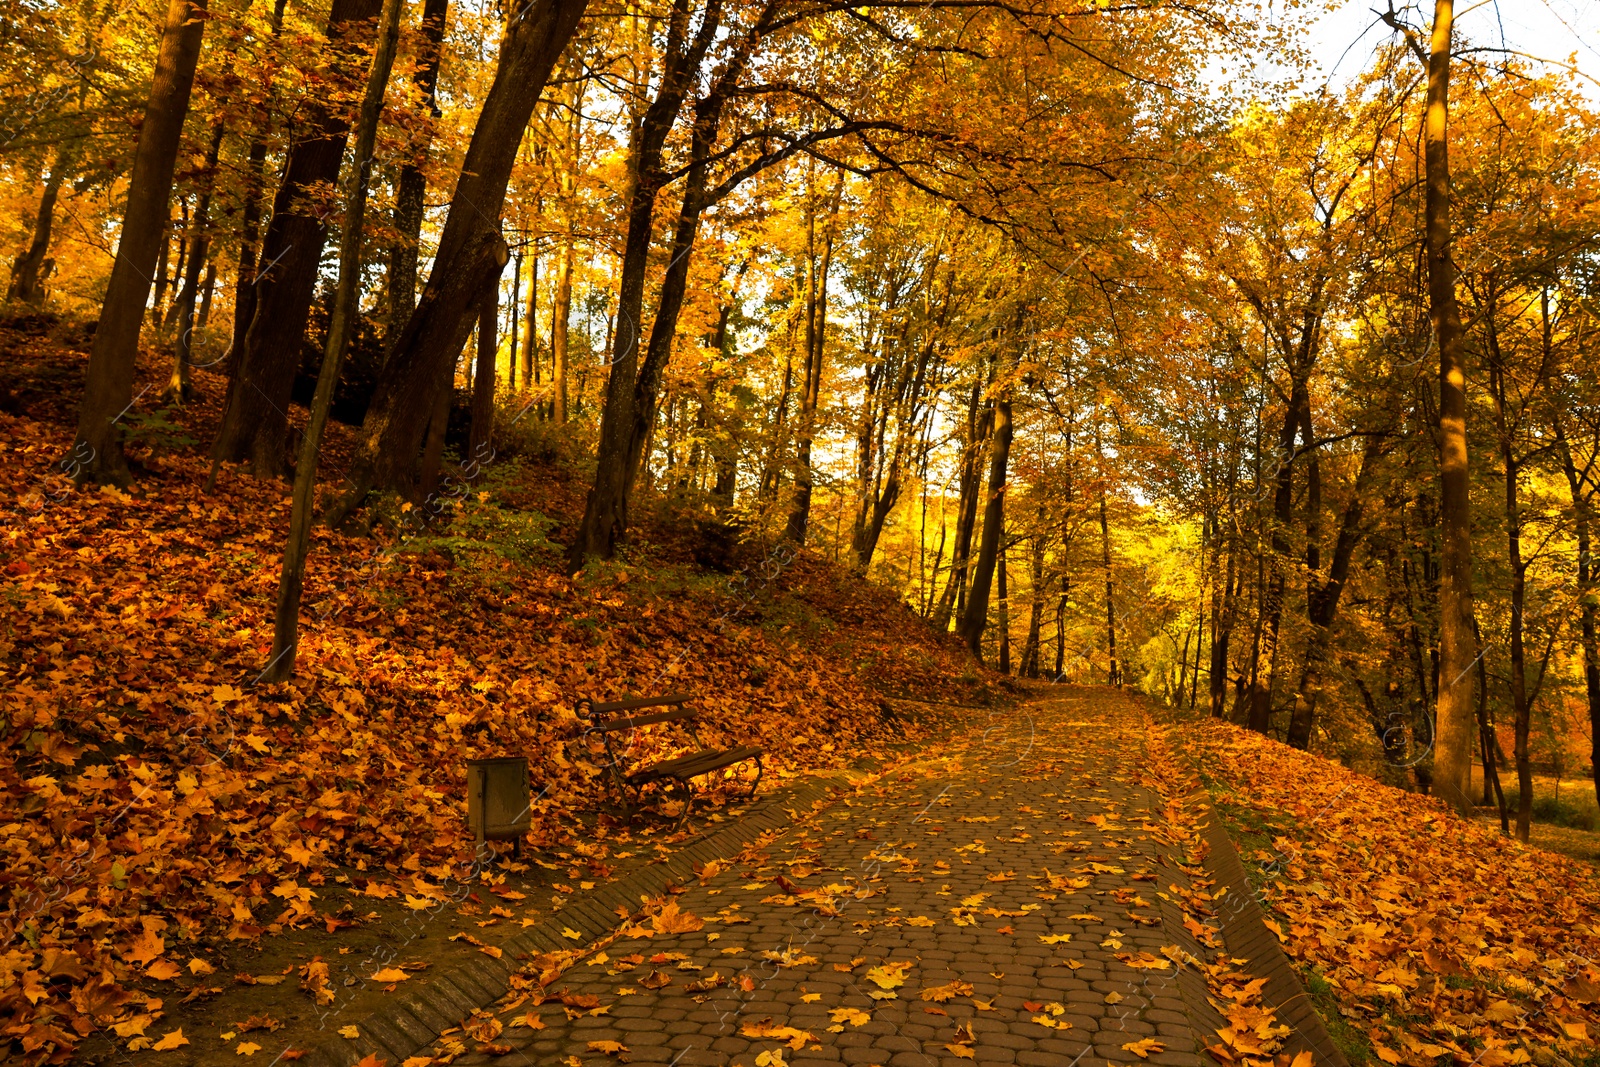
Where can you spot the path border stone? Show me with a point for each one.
(1245, 931)
(413, 1019)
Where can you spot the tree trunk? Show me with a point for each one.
(1003, 613)
(244, 290)
(976, 615)
(513, 330)
(411, 188)
(1183, 667)
(255, 425)
(433, 443)
(1061, 626)
(970, 488)
(1520, 709)
(674, 288)
(605, 516)
(1272, 592)
(1452, 762)
(180, 237)
(471, 252)
(163, 261)
(1029, 668)
(1114, 669)
(1223, 607)
(531, 374)
(811, 386)
(346, 305)
(1588, 573)
(560, 312)
(479, 437)
(1323, 607)
(97, 451)
(178, 388)
(28, 271)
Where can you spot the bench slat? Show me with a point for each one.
(696, 764)
(638, 702)
(628, 722)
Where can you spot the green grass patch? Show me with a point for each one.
(1355, 1045)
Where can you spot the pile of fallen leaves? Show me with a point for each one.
(1439, 937)
(155, 798)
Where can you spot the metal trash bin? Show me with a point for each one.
(498, 798)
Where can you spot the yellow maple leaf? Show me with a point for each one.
(247, 1048)
(796, 1039)
(889, 975)
(669, 920)
(163, 970)
(949, 991)
(1143, 1047)
(171, 1041)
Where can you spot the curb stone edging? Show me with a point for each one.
(1245, 932)
(413, 1020)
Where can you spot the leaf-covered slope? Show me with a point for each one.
(153, 795)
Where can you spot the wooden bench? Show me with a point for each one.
(607, 719)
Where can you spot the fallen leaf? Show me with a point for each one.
(170, 1041)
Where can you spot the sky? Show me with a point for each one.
(1342, 38)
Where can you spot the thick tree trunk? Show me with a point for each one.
(471, 252)
(255, 425)
(28, 272)
(1452, 762)
(411, 188)
(291, 580)
(97, 451)
(433, 442)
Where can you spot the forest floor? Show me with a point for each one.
(185, 854)
(174, 834)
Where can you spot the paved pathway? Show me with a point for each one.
(1008, 899)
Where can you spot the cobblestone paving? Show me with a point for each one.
(1002, 901)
